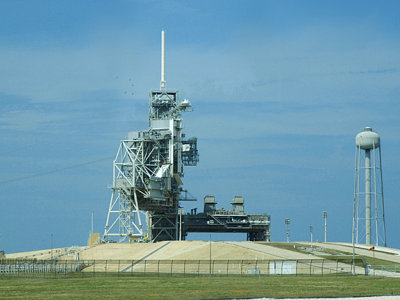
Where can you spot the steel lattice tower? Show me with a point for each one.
(148, 171)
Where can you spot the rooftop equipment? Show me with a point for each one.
(209, 204)
(238, 204)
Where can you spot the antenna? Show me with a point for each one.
(162, 84)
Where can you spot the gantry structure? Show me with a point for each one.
(147, 182)
(148, 171)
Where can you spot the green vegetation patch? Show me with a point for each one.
(341, 256)
(146, 287)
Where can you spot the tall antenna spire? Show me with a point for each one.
(162, 84)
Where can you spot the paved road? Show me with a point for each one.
(338, 298)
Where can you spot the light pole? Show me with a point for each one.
(92, 220)
(287, 222)
(51, 238)
(325, 215)
(311, 233)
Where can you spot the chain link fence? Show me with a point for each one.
(94, 268)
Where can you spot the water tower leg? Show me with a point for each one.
(368, 197)
(383, 202)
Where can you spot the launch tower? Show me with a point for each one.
(147, 180)
(148, 169)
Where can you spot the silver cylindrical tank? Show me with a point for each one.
(368, 139)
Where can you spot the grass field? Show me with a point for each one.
(146, 287)
(333, 254)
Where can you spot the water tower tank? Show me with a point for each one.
(367, 139)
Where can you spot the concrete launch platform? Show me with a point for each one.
(201, 250)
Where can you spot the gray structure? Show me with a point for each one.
(210, 205)
(287, 222)
(368, 184)
(238, 204)
(147, 180)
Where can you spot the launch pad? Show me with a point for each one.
(147, 181)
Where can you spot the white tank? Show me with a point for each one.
(367, 139)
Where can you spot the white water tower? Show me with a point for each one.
(368, 185)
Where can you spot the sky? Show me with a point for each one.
(279, 91)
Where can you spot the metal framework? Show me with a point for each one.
(148, 169)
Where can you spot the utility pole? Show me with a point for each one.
(325, 215)
(311, 233)
(287, 222)
(51, 237)
(92, 220)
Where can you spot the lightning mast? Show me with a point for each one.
(162, 83)
(148, 171)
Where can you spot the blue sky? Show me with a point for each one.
(279, 89)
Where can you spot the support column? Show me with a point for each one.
(368, 196)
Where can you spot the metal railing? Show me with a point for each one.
(93, 268)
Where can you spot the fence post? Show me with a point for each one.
(172, 261)
(184, 268)
(158, 268)
(55, 268)
(310, 266)
(322, 270)
(337, 262)
(256, 267)
(144, 267)
(198, 268)
(241, 266)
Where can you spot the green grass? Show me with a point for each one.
(146, 287)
